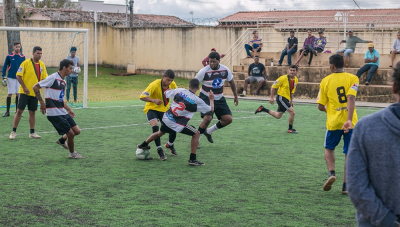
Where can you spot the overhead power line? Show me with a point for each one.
(356, 4)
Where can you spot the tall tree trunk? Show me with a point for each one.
(131, 13)
(11, 19)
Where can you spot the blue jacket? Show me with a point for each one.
(12, 64)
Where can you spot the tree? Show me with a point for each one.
(58, 4)
(11, 19)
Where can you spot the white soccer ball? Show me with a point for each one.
(77, 69)
(142, 153)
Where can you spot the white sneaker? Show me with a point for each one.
(13, 135)
(34, 136)
(65, 145)
(75, 155)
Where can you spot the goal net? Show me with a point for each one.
(56, 44)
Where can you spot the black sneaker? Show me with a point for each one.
(259, 110)
(344, 189)
(195, 163)
(7, 114)
(279, 64)
(171, 149)
(145, 148)
(161, 154)
(209, 138)
(293, 131)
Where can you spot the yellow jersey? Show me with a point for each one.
(31, 73)
(155, 91)
(285, 86)
(333, 92)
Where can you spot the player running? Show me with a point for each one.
(29, 73)
(56, 109)
(12, 63)
(286, 86)
(176, 119)
(213, 78)
(337, 94)
(156, 105)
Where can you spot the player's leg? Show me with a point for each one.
(332, 139)
(152, 118)
(16, 101)
(74, 131)
(8, 104)
(170, 144)
(346, 139)
(207, 118)
(224, 116)
(17, 118)
(75, 87)
(291, 120)
(32, 107)
(155, 136)
(260, 84)
(191, 131)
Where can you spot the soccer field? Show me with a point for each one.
(256, 174)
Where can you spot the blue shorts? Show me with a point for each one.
(332, 139)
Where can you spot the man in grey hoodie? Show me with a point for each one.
(373, 165)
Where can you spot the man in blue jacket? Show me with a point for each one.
(12, 63)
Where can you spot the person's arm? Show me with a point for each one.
(248, 73)
(36, 89)
(211, 98)
(205, 62)
(69, 110)
(234, 91)
(271, 99)
(264, 72)
(322, 98)
(324, 43)
(148, 99)
(351, 102)
(26, 90)
(145, 96)
(6, 63)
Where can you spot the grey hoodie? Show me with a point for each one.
(373, 168)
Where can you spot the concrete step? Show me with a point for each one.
(322, 60)
(316, 74)
(307, 90)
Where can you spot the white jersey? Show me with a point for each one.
(184, 105)
(214, 80)
(54, 94)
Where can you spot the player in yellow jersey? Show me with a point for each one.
(286, 86)
(156, 105)
(337, 95)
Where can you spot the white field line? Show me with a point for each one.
(120, 126)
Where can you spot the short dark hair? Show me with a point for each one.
(337, 60)
(309, 30)
(214, 55)
(169, 73)
(291, 31)
(396, 76)
(194, 83)
(73, 49)
(37, 48)
(294, 67)
(16, 43)
(65, 63)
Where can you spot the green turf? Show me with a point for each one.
(256, 174)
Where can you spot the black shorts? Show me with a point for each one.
(153, 114)
(283, 104)
(221, 108)
(24, 100)
(62, 123)
(189, 130)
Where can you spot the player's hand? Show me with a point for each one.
(271, 100)
(347, 126)
(71, 113)
(236, 101)
(26, 91)
(158, 102)
(4, 82)
(291, 103)
(211, 95)
(42, 108)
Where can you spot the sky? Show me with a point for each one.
(223, 8)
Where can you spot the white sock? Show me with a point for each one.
(158, 147)
(244, 92)
(212, 129)
(170, 144)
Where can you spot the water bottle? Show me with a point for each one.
(272, 62)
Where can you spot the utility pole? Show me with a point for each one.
(11, 20)
(131, 13)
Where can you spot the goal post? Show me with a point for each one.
(56, 44)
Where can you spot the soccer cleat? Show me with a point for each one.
(292, 131)
(13, 135)
(34, 136)
(76, 155)
(344, 189)
(328, 183)
(195, 163)
(209, 138)
(64, 145)
(144, 148)
(259, 110)
(171, 149)
(7, 114)
(161, 154)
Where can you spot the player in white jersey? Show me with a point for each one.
(176, 119)
(213, 78)
(57, 111)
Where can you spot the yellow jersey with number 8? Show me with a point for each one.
(333, 92)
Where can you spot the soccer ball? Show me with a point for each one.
(77, 69)
(142, 153)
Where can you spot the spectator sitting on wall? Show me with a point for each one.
(351, 42)
(372, 59)
(307, 48)
(396, 48)
(254, 45)
(319, 43)
(258, 74)
(206, 60)
(290, 48)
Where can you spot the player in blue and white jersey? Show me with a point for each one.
(185, 104)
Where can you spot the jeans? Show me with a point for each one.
(248, 48)
(310, 49)
(371, 68)
(74, 81)
(289, 56)
(346, 52)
